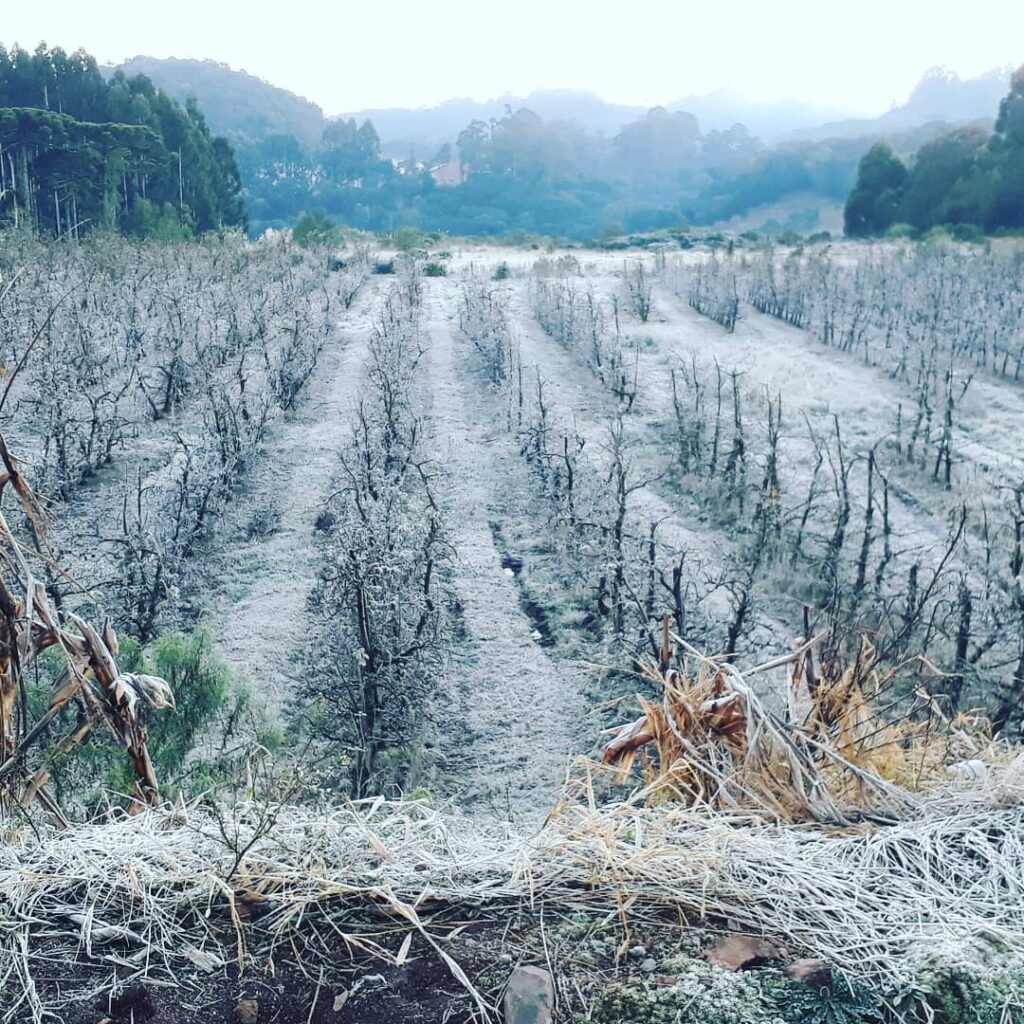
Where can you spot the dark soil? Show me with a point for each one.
(272, 991)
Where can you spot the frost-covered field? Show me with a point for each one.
(433, 519)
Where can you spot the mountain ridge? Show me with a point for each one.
(235, 103)
(241, 105)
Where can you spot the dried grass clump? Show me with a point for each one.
(90, 678)
(174, 890)
(832, 757)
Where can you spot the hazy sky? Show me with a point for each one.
(860, 55)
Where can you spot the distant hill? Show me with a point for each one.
(423, 130)
(241, 106)
(723, 108)
(940, 97)
(235, 103)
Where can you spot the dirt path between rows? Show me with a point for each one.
(520, 710)
(262, 584)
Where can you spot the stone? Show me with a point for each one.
(810, 970)
(649, 965)
(247, 1011)
(529, 996)
(735, 952)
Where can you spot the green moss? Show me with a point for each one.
(975, 989)
(839, 1003)
(684, 990)
(693, 992)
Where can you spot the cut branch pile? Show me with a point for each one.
(831, 758)
(90, 678)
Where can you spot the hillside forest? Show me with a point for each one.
(80, 153)
(87, 148)
(966, 177)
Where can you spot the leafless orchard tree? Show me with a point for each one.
(710, 289)
(578, 319)
(639, 290)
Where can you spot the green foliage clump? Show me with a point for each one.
(937, 235)
(838, 1003)
(315, 228)
(149, 222)
(967, 233)
(434, 269)
(187, 743)
(965, 180)
(691, 991)
(407, 239)
(200, 683)
(875, 201)
(190, 744)
(977, 983)
(697, 994)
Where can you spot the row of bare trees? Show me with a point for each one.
(609, 558)
(485, 319)
(381, 606)
(574, 313)
(829, 537)
(812, 521)
(933, 317)
(148, 376)
(709, 286)
(886, 304)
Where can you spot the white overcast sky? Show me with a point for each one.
(860, 55)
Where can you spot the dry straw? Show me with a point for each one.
(89, 680)
(830, 757)
(162, 894)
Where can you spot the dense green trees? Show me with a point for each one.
(875, 201)
(964, 178)
(942, 186)
(1007, 148)
(78, 153)
(521, 173)
(658, 146)
(518, 172)
(349, 152)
